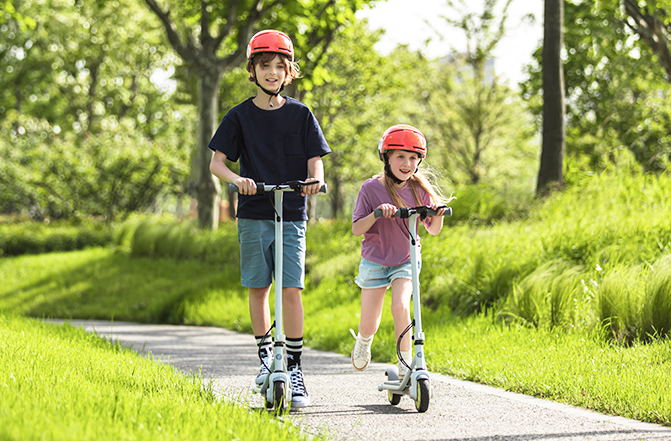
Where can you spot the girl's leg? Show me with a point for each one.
(401, 291)
(371, 310)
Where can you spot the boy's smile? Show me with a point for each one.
(271, 75)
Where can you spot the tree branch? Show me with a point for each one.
(652, 31)
(187, 50)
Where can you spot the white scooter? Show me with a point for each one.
(417, 383)
(276, 388)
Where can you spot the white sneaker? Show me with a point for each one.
(361, 351)
(266, 361)
(299, 395)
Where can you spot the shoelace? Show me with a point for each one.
(359, 351)
(296, 377)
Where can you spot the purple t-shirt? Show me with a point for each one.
(386, 242)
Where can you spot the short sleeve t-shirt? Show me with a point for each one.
(273, 147)
(387, 241)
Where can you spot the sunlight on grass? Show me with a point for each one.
(106, 392)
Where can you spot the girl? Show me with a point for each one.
(385, 250)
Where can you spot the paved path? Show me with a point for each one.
(347, 405)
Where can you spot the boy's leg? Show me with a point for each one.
(292, 314)
(259, 312)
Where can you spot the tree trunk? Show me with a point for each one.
(206, 185)
(550, 174)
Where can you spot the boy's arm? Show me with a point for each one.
(316, 173)
(219, 169)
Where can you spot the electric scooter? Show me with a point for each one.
(276, 389)
(417, 382)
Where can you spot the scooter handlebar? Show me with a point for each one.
(295, 186)
(423, 211)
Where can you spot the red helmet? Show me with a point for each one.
(402, 137)
(270, 41)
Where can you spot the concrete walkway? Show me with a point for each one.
(347, 405)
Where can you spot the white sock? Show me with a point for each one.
(407, 356)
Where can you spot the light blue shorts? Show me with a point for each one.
(373, 275)
(257, 253)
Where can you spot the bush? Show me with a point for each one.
(108, 176)
(33, 237)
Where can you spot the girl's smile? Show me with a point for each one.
(403, 164)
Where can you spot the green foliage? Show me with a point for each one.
(616, 92)
(37, 237)
(86, 67)
(110, 392)
(110, 175)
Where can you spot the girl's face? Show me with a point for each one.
(403, 164)
(271, 74)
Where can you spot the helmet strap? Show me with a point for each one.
(387, 171)
(269, 93)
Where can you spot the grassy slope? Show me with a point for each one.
(62, 383)
(606, 224)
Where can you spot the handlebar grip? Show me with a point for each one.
(406, 212)
(323, 189)
(378, 213)
(260, 188)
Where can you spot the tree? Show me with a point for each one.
(651, 22)
(550, 174)
(473, 114)
(211, 37)
(617, 93)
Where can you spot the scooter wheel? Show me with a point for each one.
(423, 395)
(278, 395)
(394, 399)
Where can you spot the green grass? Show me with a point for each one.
(572, 303)
(62, 383)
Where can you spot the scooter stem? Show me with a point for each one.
(279, 247)
(419, 334)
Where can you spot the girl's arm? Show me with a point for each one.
(362, 225)
(219, 169)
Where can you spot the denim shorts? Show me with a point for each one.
(373, 275)
(257, 253)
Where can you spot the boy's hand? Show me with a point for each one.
(311, 189)
(388, 210)
(246, 186)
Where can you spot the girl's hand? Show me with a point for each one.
(440, 211)
(388, 210)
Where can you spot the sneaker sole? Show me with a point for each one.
(298, 402)
(357, 368)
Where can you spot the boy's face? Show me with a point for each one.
(271, 74)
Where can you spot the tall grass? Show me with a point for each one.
(62, 383)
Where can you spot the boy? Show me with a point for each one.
(277, 139)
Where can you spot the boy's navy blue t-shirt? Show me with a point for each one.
(273, 147)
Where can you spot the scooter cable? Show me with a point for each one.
(398, 344)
